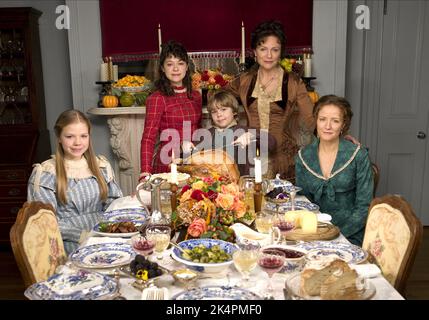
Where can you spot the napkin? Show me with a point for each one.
(130, 201)
(367, 270)
(96, 240)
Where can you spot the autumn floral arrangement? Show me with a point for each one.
(211, 79)
(208, 206)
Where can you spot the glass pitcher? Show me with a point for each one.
(154, 186)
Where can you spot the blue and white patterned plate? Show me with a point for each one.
(77, 285)
(217, 293)
(96, 230)
(346, 251)
(103, 255)
(299, 205)
(134, 214)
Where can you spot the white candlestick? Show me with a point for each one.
(243, 46)
(104, 72)
(174, 173)
(307, 67)
(258, 170)
(173, 167)
(159, 37)
(115, 72)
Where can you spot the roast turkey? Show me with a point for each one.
(206, 163)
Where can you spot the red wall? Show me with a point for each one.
(130, 26)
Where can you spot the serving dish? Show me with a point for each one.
(228, 247)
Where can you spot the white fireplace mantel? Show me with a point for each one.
(126, 128)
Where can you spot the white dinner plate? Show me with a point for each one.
(323, 217)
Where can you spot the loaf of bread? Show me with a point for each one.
(331, 279)
(296, 216)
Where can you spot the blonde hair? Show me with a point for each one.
(66, 118)
(225, 99)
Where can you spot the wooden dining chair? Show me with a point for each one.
(376, 174)
(36, 242)
(392, 238)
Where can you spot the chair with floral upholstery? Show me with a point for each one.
(392, 237)
(36, 242)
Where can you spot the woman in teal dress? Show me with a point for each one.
(335, 173)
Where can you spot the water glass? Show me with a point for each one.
(245, 261)
(264, 221)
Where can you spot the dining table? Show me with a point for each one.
(229, 278)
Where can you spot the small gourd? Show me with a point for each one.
(314, 96)
(110, 101)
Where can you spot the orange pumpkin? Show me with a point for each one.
(110, 101)
(314, 96)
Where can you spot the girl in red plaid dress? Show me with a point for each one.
(173, 111)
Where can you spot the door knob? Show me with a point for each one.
(421, 135)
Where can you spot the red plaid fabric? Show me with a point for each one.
(167, 115)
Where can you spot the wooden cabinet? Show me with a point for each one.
(24, 138)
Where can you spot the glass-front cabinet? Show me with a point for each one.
(24, 138)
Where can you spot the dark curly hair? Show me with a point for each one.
(173, 49)
(269, 28)
(341, 103)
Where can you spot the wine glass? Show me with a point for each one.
(271, 261)
(160, 234)
(247, 185)
(245, 261)
(284, 226)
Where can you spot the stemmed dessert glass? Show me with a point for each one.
(271, 261)
(293, 190)
(160, 234)
(284, 226)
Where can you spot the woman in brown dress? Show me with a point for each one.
(275, 100)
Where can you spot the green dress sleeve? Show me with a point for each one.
(357, 215)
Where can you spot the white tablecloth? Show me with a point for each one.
(258, 279)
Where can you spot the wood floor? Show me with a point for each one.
(12, 288)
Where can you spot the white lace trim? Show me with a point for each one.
(332, 174)
(75, 169)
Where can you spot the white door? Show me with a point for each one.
(402, 145)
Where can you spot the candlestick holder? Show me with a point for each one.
(106, 87)
(307, 81)
(242, 67)
(173, 196)
(257, 196)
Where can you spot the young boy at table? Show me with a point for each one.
(238, 141)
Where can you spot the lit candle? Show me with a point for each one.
(173, 170)
(258, 168)
(159, 37)
(243, 46)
